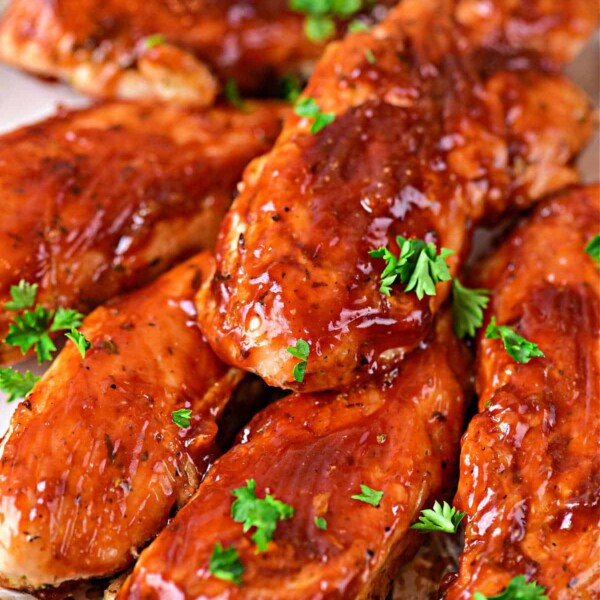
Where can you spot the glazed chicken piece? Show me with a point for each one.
(92, 465)
(529, 463)
(99, 201)
(422, 145)
(110, 48)
(397, 434)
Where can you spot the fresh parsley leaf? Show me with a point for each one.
(232, 93)
(154, 40)
(319, 23)
(82, 343)
(182, 417)
(368, 495)
(301, 351)
(66, 319)
(467, 308)
(289, 86)
(593, 249)
(320, 522)
(442, 518)
(23, 295)
(30, 329)
(225, 564)
(262, 514)
(308, 108)
(15, 384)
(370, 56)
(319, 27)
(518, 347)
(517, 589)
(357, 25)
(418, 266)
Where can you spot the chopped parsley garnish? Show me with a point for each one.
(66, 319)
(82, 343)
(368, 495)
(31, 328)
(308, 108)
(319, 23)
(370, 56)
(301, 351)
(182, 417)
(289, 87)
(232, 93)
(261, 513)
(154, 40)
(23, 295)
(15, 384)
(467, 308)
(225, 564)
(357, 25)
(320, 522)
(518, 347)
(441, 518)
(418, 266)
(517, 589)
(593, 249)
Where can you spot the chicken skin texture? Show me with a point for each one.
(92, 465)
(529, 478)
(100, 46)
(100, 201)
(398, 435)
(427, 140)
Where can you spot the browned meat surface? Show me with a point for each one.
(398, 435)
(530, 467)
(555, 29)
(99, 45)
(92, 465)
(423, 143)
(102, 200)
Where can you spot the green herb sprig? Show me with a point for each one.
(418, 266)
(261, 513)
(309, 109)
(225, 564)
(368, 495)
(467, 308)
(518, 347)
(517, 589)
(301, 350)
(593, 249)
(441, 518)
(319, 23)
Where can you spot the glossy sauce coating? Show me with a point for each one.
(99, 201)
(98, 45)
(530, 467)
(398, 435)
(424, 144)
(92, 465)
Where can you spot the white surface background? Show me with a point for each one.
(24, 99)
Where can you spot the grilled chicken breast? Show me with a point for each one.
(110, 48)
(92, 465)
(529, 463)
(398, 435)
(102, 200)
(427, 141)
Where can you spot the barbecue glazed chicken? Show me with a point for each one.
(313, 452)
(529, 462)
(102, 200)
(93, 464)
(173, 50)
(428, 138)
